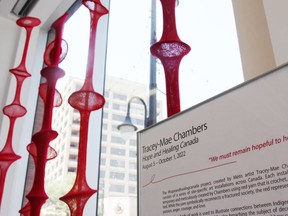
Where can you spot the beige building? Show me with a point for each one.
(118, 163)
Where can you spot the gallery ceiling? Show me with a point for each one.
(46, 10)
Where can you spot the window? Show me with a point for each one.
(132, 153)
(106, 105)
(73, 157)
(117, 175)
(106, 94)
(105, 115)
(75, 133)
(74, 144)
(62, 116)
(138, 121)
(102, 174)
(104, 137)
(116, 106)
(117, 163)
(104, 126)
(103, 149)
(124, 79)
(132, 165)
(117, 151)
(117, 188)
(132, 189)
(72, 169)
(132, 177)
(119, 96)
(103, 161)
(76, 120)
(117, 117)
(133, 142)
(117, 140)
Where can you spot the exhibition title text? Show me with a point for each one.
(178, 136)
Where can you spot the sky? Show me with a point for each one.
(212, 66)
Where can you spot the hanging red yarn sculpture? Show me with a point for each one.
(15, 109)
(85, 101)
(170, 50)
(39, 148)
(32, 149)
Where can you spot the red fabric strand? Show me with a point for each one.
(40, 149)
(170, 50)
(85, 101)
(15, 109)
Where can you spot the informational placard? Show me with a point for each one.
(225, 156)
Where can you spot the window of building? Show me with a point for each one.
(119, 96)
(75, 133)
(105, 115)
(103, 161)
(138, 121)
(117, 151)
(117, 163)
(104, 126)
(72, 169)
(102, 174)
(117, 188)
(114, 128)
(116, 106)
(104, 137)
(117, 140)
(74, 144)
(103, 149)
(133, 142)
(130, 77)
(76, 120)
(73, 157)
(132, 153)
(118, 117)
(132, 189)
(106, 94)
(132, 177)
(117, 175)
(132, 165)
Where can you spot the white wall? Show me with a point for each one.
(7, 55)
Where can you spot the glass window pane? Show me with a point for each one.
(127, 76)
(117, 151)
(117, 163)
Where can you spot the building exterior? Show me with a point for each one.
(118, 160)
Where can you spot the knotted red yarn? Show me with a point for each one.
(85, 101)
(40, 149)
(15, 109)
(32, 149)
(170, 50)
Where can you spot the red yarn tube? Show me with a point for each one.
(15, 109)
(170, 50)
(85, 101)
